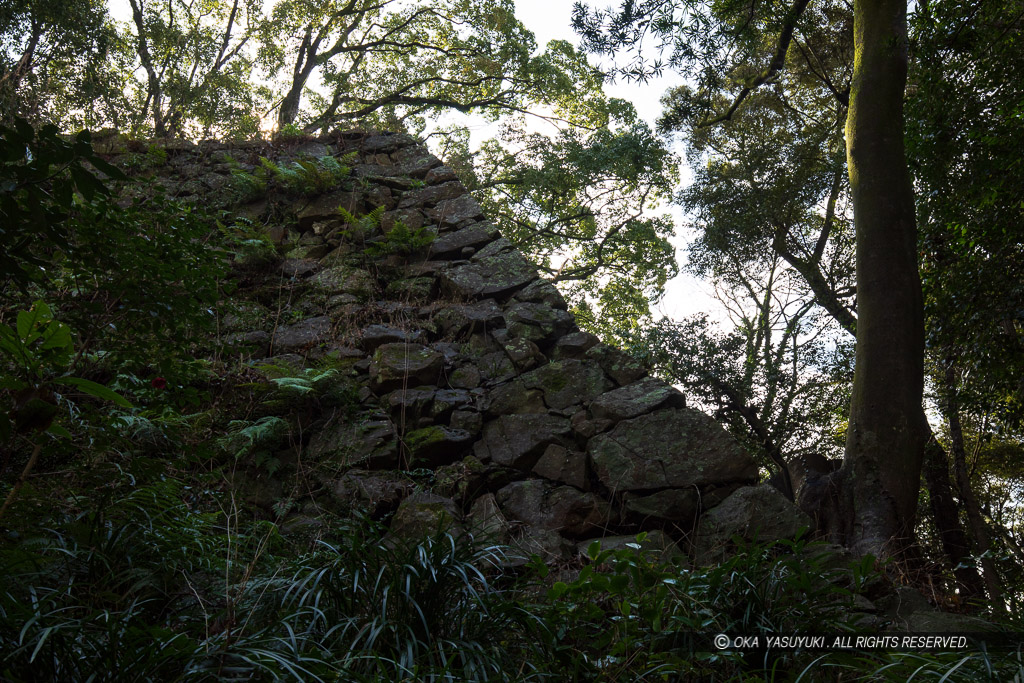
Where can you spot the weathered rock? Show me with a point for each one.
(673, 505)
(398, 365)
(387, 142)
(456, 211)
(411, 402)
(751, 512)
(302, 336)
(585, 428)
(496, 367)
(567, 383)
(432, 194)
(562, 465)
(447, 400)
(519, 440)
(299, 268)
(620, 366)
(325, 207)
(564, 509)
(515, 397)
(372, 492)
(439, 174)
(377, 335)
(414, 288)
(675, 448)
(486, 521)
(542, 292)
(423, 515)
(436, 445)
(465, 377)
(492, 275)
(411, 218)
(368, 443)
(451, 244)
(636, 399)
(345, 280)
(415, 161)
(462, 480)
(461, 319)
(537, 322)
(469, 420)
(523, 353)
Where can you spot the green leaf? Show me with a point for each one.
(58, 336)
(108, 168)
(558, 590)
(86, 183)
(95, 389)
(58, 431)
(27, 321)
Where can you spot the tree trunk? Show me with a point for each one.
(886, 436)
(976, 522)
(289, 110)
(947, 522)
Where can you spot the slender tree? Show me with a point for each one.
(734, 52)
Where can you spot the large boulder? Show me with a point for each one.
(370, 443)
(302, 336)
(373, 492)
(519, 440)
(452, 243)
(679, 506)
(491, 274)
(403, 365)
(343, 279)
(560, 464)
(672, 448)
(636, 399)
(567, 383)
(422, 515)
(564, 509)
(436, 445)
(751, 513)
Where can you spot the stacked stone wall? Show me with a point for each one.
(473, 397)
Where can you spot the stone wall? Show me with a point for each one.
(472, 397)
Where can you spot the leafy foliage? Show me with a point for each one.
(40, 172)
(101, 595)
(582, 206)
(306, 176)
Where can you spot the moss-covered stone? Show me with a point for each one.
(343, 279)
(675, 448)
(398, 365)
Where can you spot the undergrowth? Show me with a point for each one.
(144, 585)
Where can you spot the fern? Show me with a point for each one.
(310, 381)
(303, 177)
(246, 437)
(402, 240)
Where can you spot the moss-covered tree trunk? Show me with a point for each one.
(886, 438)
